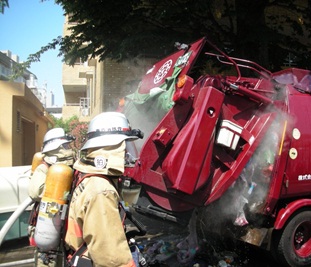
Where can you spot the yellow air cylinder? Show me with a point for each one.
(53, 207)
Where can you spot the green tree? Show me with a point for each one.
(265, 31)
(3, 4)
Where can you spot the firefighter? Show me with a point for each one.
(56, 150)
(94, 220)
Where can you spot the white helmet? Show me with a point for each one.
(54, 138)
(109, 129)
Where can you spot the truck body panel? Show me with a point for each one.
(246, 136)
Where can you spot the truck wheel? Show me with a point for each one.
(293, 247)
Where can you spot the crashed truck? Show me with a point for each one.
(230, 137)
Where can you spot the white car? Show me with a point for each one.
(13, 193)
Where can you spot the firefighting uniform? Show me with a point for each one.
(37, 179)
(37, 182)
(94, 217)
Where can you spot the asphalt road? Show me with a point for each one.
(17, 251)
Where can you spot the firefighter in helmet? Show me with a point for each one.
(56, 149)
(94, 220)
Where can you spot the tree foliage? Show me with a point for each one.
(265, 31)
(3, 4)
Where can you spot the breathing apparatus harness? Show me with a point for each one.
(32, 220)
(41, 219)
(76, 258)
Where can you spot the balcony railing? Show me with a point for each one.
(81, 109)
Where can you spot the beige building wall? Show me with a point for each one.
(23, 124)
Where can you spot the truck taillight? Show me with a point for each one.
(183, 87)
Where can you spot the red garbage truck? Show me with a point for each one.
(229, 136)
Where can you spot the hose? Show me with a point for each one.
(14, 263)
(9, 223)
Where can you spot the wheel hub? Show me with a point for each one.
(299, 238)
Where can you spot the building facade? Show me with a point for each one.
(23, 119)
(95, 86)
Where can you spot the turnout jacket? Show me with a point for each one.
(94, 218)
(37, 182)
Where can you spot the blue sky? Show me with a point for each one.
(25, 27)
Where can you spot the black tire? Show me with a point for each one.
(292, 245)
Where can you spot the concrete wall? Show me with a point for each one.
(23, 124)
